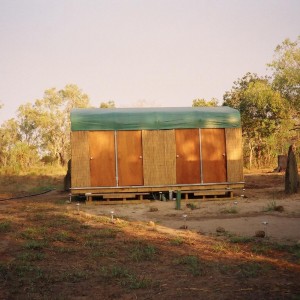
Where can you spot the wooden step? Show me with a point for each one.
(117, 196)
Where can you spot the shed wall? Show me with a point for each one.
(158, 156)
(80, 162)
(234, 153)
(159, 146)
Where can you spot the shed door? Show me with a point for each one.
(130, 159)
(102, 158)
(213, 155)
(187, 156)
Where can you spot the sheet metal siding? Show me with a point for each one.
(154, 118)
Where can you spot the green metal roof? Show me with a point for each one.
(154, 118)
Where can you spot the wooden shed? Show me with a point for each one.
(128, 153)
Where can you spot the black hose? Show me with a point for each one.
(32, 195)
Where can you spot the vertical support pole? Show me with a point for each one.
(116, 159)
(200, 145)
(178, 200)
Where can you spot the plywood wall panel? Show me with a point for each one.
(213, 152)
(130, 157)
(187, 156)
(103, 159)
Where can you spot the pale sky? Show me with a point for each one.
(163, 52)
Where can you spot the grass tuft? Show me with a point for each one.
(29, 256)
(230, 210)
(125, 277)
(271, 206)
(141, 252)
(177, 241)
(35, 245)
(193, 265)
(240, 239)
(5, 226)
(250, 270)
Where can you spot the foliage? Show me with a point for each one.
(202, 102)
(108, 104)
(269, 107)
(46, 123)
(262, 111)
(9, 135)
(286, 71)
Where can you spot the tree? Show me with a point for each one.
(262, 111)
(46, 123)
(286, 72)
(108, 104)
(202, 102)
(9, 136)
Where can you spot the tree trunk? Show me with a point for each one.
(250, 155)
(291, 174)
(67, 179)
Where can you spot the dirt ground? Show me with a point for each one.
(243, 216)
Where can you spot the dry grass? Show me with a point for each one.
(48, 249)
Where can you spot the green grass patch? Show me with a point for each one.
(177, 241)
(5, 226)
(41, 189)
(26, 272)
(219, 247)
(271, 206)
(125, 277)
(227, 269)
(63, 236)
(35, 245)
(261, 248)
(114, 272)
(230, 210)
(132, 281)
(250, 270)
(62, 249)
(94, 244)
(38, 217)
(4, 268)
(60, 221)
(240, 239)
(142, 252)
(32, 233)
(193, 264)
(75, 275)
(103, 233)
(31, 256)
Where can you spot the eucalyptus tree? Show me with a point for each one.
(262, 111)
(15, 154)
(202, 102)
(108, 104)
(46, 123)
(286, 72)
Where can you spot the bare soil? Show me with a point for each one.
(53, 249)
(244, 215)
